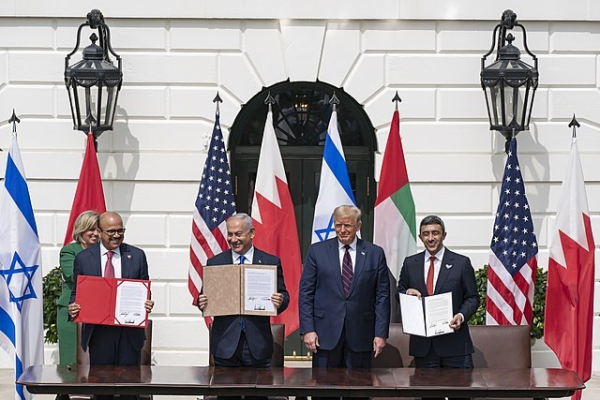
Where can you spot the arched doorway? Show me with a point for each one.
(301, 116)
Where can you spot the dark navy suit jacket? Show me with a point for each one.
(226, 330)
(133, 266)
(324, 308)
(456, 276)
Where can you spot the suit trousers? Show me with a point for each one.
(341, 356)
(110, 346)
(432, 360)
(242, 358)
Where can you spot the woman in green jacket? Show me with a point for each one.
(85, 233)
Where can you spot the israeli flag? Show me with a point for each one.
(21, 304)
(334, 188)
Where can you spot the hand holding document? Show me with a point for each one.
(428, 316)
(110, 301)
(239, 289)
(259, 284)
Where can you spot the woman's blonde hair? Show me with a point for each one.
(86, 221)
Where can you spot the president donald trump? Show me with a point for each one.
(344, 297)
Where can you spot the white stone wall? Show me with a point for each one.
(177, 54)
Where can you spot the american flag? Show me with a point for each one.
(214, 204)
(513, 256)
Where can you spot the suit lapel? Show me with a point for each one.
(96, 260)
(444, 271)
(360, 259)
(333, 253)
(257, 257)
(421, 268)
(125, 261)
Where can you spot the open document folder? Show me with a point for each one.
(112, 301)
(236, 289)
(427, 316)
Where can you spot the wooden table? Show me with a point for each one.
(377, 382)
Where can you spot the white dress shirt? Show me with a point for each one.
(351, 250)
(116, 260)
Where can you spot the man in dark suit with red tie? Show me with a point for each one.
(344, 297)
(244, 340)
(111, 258)
(439, 270)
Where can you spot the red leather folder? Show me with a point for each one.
(97, 297)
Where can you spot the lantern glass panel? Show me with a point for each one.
(513, 98)
(97, 105)
(493, 98)
(111, 104)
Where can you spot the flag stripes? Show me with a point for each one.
(507, 298)
(21, 303)
(334, 186)
(335, 160)
(513, 252)
(395, 226)
(214, 204)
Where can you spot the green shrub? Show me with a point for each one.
(52, 284)
(539, 301)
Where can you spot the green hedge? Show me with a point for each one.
(539, 301)
(52, 283)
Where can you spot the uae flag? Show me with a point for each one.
(89, 194)
(395, 223)
(568, 321)
(275, 221)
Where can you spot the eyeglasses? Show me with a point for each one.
(113, 232)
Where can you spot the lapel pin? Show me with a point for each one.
(362, 252)
(448, 266)
(129, 256)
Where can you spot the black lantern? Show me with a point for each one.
(94, 82)
(509, 83)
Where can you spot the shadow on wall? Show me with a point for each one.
(120, 150)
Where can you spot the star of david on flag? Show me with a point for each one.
(334, 187)
(18, 279)
(21, 304)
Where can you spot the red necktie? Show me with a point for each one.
(109, 270)
(430, 276)
(347, 272)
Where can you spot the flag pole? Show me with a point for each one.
(575, 124)
(270, 101)
(218, 100)
(334, 102)
(15, 120)
(397, 100)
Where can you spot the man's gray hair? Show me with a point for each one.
(245, 218)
